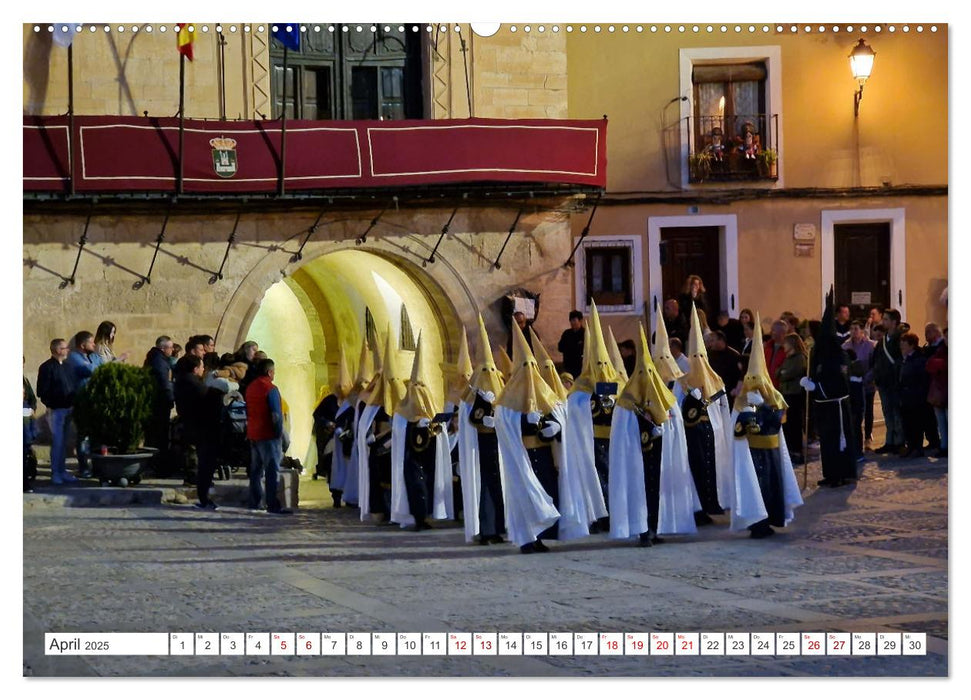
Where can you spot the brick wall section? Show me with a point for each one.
(519, 76)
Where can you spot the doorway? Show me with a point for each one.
(689, 250)
(862, 266)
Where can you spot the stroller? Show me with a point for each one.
(234, 450)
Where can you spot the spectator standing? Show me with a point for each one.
(874, 319)
(932, 333)
(677, 352)
(937, 393)
(675, 323)
(775, 352)
(843, 322)
(571, 345)
(157, 434)
(912, 392)
(732, 328)
(247, 354)
(83, 361)
(628, 351)
(857, 371)
(264, 429)
(693, 291)
(104, 342)
(519, 319)
(726, 361)
(886, 375)
(861, 345)
(792, 369)
(55, 387)
(200, 409)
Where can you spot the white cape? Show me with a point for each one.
(469, 472)
(363, 451)
(628, 496)
(791, 495)
(351, 468)
(723, 427)
(573, 509)
(578, 442)
(529, 509)
(747, 505)
(338, 463)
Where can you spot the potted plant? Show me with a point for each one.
(112, 411)
(699, 165)
(767, 160)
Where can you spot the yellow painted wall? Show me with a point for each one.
(900, 135)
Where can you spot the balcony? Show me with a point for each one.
(741, 148)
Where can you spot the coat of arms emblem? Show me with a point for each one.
(224, 156)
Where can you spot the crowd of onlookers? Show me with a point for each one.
(227, 411)
(883, 357)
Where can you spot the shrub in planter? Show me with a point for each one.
(115, 406)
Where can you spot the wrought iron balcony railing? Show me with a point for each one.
(732, 148)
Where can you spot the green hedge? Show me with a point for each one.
(115, 406)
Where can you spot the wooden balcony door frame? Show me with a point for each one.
(898, 249)
(727, 226)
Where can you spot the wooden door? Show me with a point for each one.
(862, 266)
(691, 250)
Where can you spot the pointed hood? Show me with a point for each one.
(365, 369)
(646, 390)
(827, 346)
(342, 387)
(486, 376)
(526, 390)
(614, 351)
(389, 386)
(547, 368)
(663, 359)
(757, 379)
(598, 367)
(419, 402)
(457, 376)
(504, 363)
(700, 374)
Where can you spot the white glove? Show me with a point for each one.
(807, 384)
(696, 393)
(370, 439)
(489, 421)
(338, 432)
(550, 430)
(487, 396)
(657, 431)
(28, 411)
(754, 398)
(424, 422)
(533, 417)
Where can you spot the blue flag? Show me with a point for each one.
(288, 34)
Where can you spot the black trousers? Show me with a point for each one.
(652, 483)
(492, 513)
(207, 452)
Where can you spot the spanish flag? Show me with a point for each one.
(185, 38)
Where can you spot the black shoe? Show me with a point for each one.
(654, 538)
(913, 454)
(540, 547)
(644, 540)
(528, 548)
(762, 532)
(495, 539)
(941, 453)
(702, 519)
(483, 540)
(886, 449)
(422, 525)
(211, 506)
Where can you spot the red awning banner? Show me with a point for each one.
(132, 154)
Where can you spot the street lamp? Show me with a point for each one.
(861, 63)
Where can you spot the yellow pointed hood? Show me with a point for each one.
(526, 390)
(504, 363)
(486, 376)
(666, 365)
(614, 351)
(700, 374)
(457, 376)
(389, 386)
(757, 378)
(598, 366)
(342, 387)
(547, 368)
(365, 369)
(419, 402)
(646, 390)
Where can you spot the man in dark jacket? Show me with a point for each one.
(912, 390)
(886, 375)
(157, 434)
(571, 345)
(200, 409)
(55, 387)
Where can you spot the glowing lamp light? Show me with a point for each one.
(861, 64)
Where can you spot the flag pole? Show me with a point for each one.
(283, 126)
(70, 116)
(181, 121)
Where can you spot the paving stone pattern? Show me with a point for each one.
(868, 557)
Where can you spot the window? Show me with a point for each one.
(608, 270)
(731, 121)
(350, 75)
